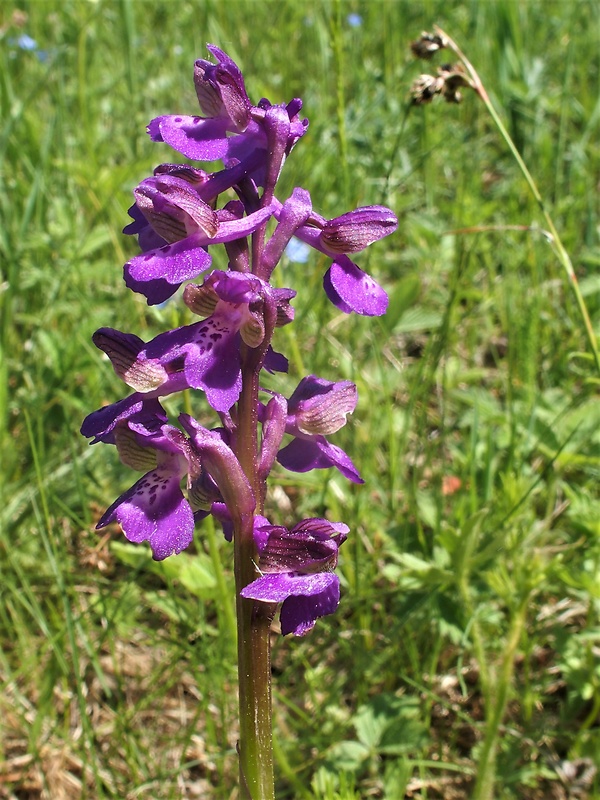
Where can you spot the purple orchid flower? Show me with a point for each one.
(204, 355)
(180, 226)
(232, 128)
(154, 509)
(316, 408)
(297, 567)
(346, 285)
(178, 218)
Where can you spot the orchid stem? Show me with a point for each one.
(555, 240)
(253, 619)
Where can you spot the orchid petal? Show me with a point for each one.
(155, 510)
(351, 289)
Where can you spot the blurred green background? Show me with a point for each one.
(467, 642)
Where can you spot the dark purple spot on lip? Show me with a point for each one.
(178, 119)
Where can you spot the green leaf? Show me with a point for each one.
(401, 299)
(348, 756)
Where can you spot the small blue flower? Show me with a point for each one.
(297, 251)
(354, 20)
(29, 45)
(25, 42)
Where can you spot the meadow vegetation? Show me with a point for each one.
(467, 643)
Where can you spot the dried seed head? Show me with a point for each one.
(454, 78)
(426, 45)
(449, 79)
(425, 88)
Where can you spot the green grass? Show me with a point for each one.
(469, 622)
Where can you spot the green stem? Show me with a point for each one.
(225, 607)
(463, 571)
(496, 707)
(340, 73)
(495, 685)
(554, 237)
(253, 619)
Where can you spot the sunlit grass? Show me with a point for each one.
(477, 431)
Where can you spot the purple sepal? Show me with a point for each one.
(351, 289)
(318, 406)
(220, 88)
(275, 362)
(355, 230)
(139, 221)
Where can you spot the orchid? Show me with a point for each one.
(155, 509)
(297, 570)
(218, 358)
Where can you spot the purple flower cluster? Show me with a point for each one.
(178, 217)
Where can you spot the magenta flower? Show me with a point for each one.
(204, 355)
(190, 471)
(176, 225)
(154, 509)
(346, 285)
(316, 408)
(297, 567)
(232, 129)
